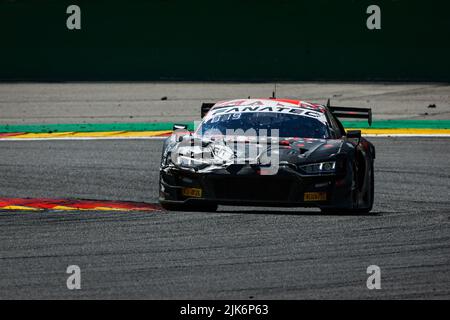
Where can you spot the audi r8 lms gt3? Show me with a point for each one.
(269, 152)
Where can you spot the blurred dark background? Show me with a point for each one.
(225, 40)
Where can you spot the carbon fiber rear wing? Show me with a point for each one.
(351, 112)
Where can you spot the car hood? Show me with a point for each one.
(221, 153)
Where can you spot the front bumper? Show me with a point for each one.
(285, 189)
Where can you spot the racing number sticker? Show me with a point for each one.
(192, 192)
(226, 117)
(315, 196)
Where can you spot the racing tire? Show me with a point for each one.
(371, 192)
(365, 210)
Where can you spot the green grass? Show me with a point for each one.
(160, 126)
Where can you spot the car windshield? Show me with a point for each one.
(289, 125)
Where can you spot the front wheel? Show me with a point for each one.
(368, 198)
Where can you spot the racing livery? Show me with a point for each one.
(269, 152)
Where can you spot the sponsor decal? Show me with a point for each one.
(254, 105)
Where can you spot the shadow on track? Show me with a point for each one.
(301, 213)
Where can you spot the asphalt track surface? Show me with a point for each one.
(236, 253)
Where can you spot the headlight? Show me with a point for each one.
(319, 168)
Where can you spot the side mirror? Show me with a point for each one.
(353, 134)
(179, 127)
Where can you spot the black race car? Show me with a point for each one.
(269, 152)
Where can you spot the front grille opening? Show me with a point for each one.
(249, 188)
